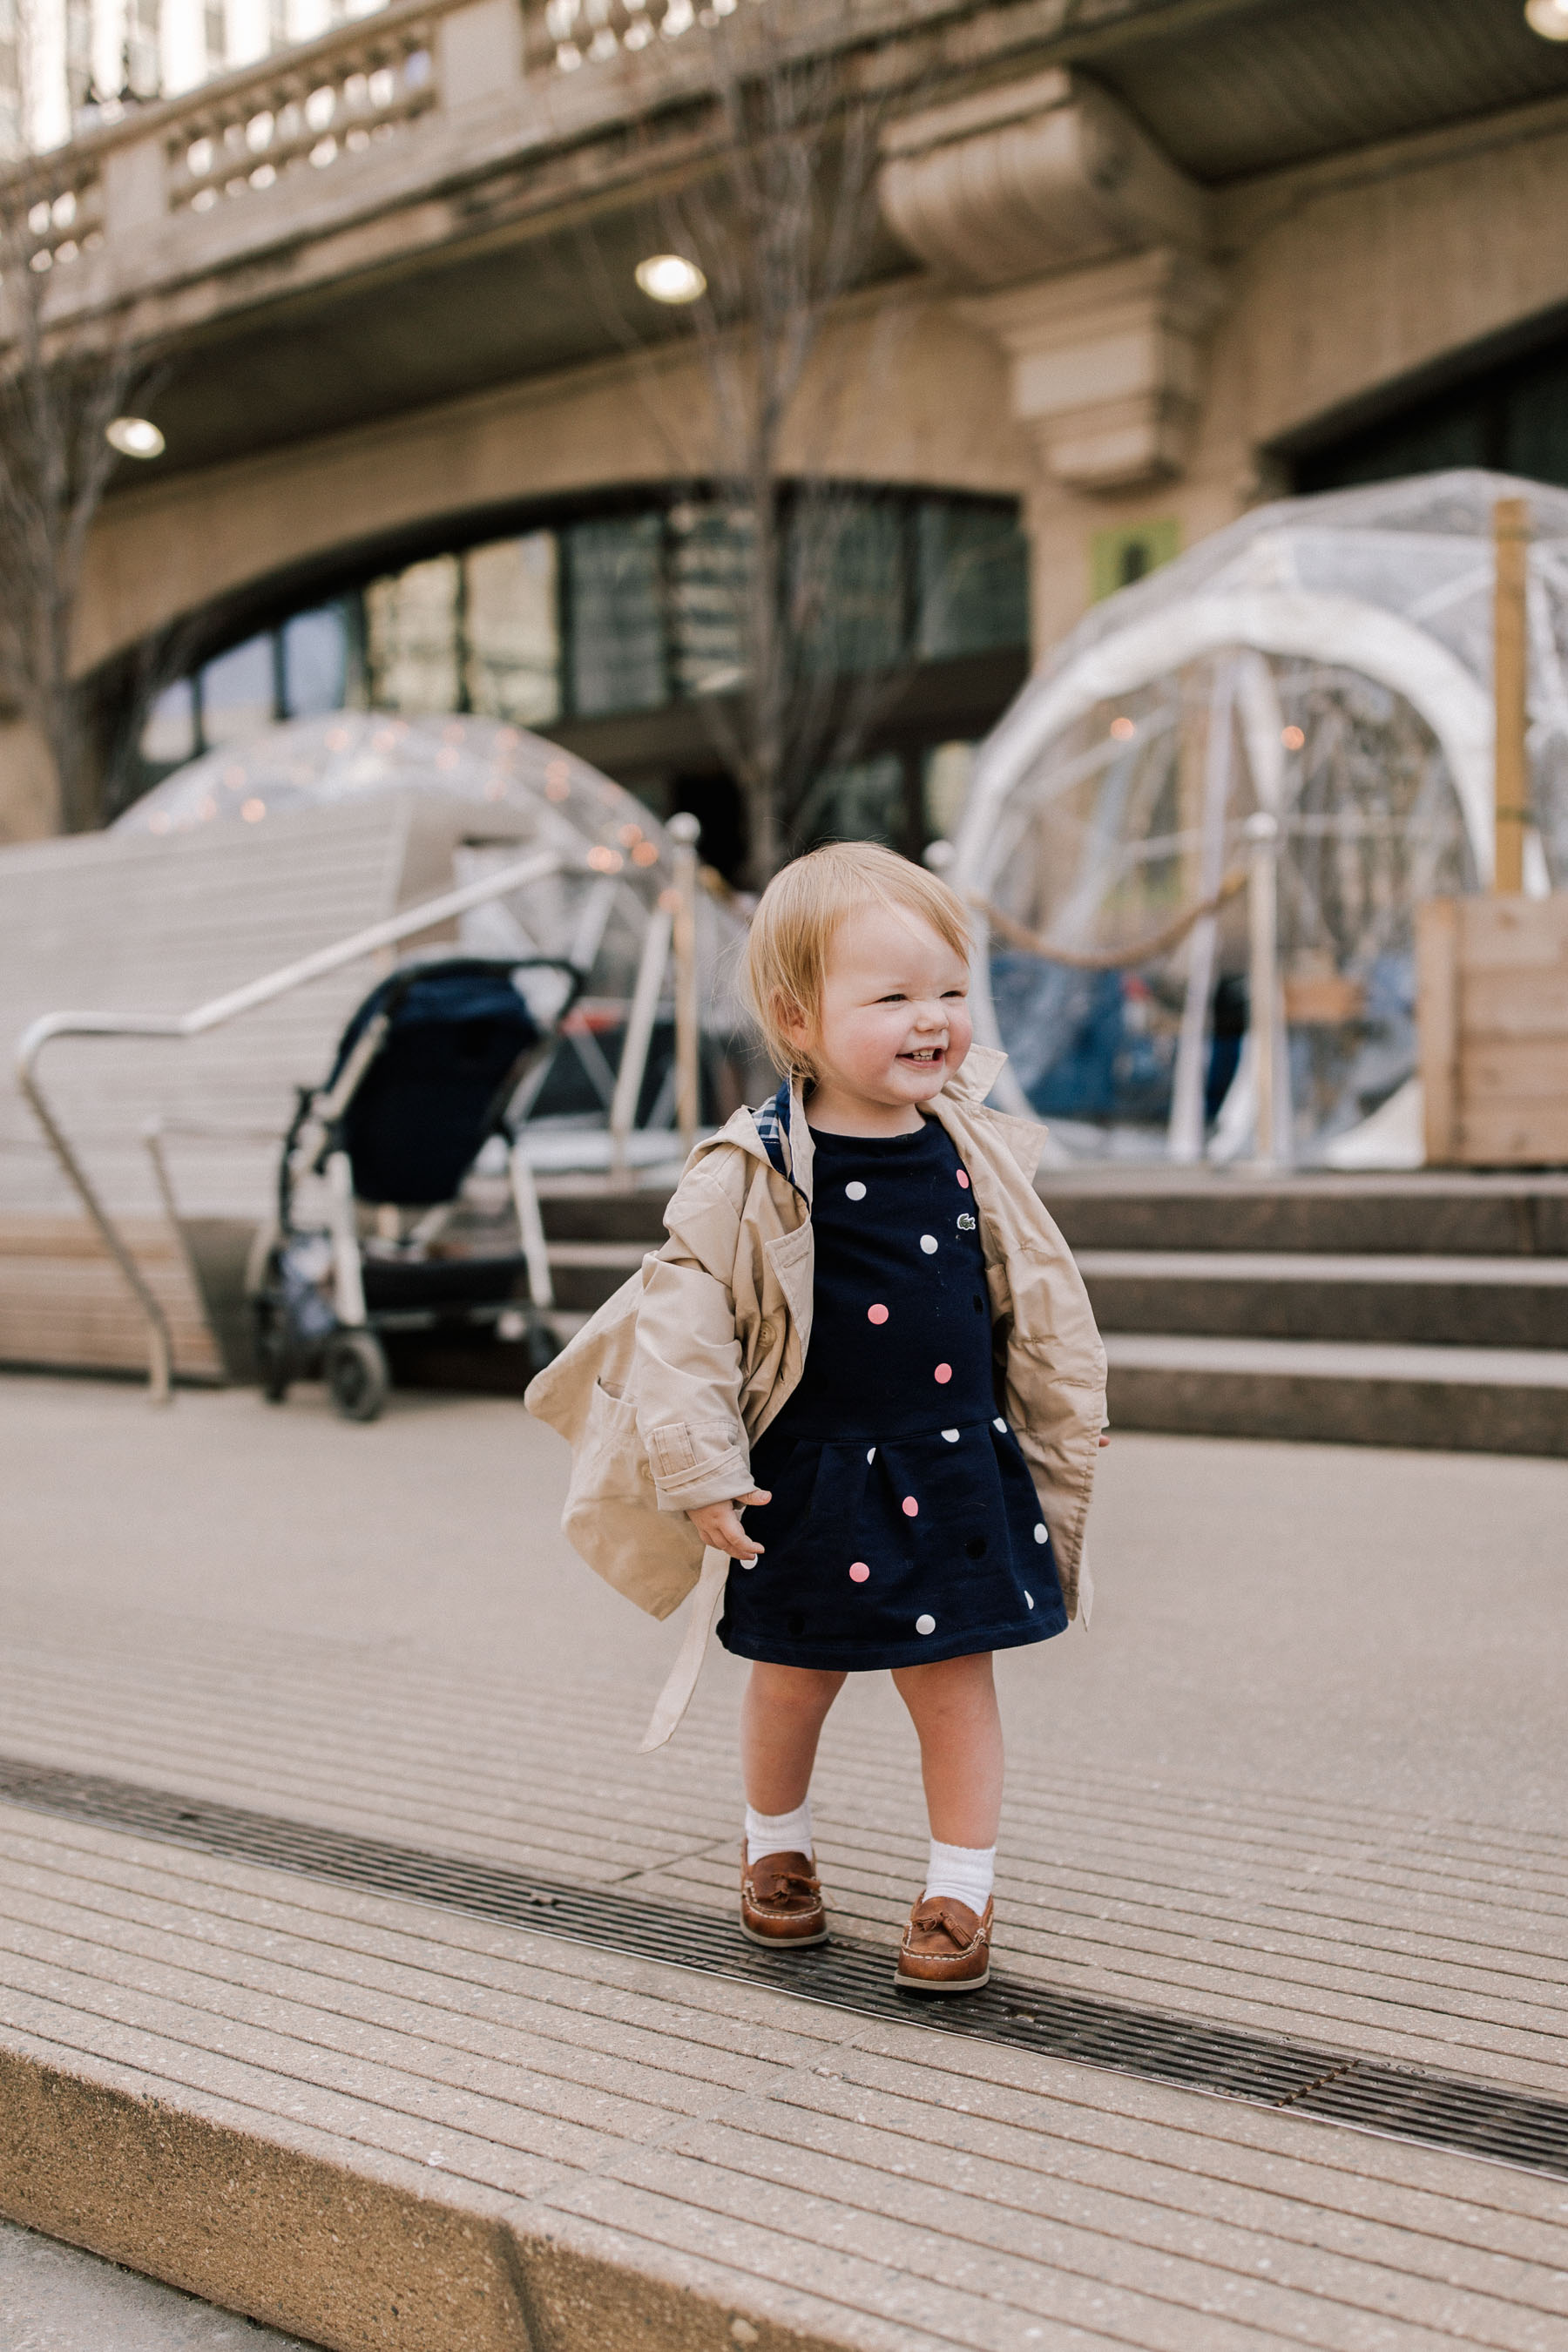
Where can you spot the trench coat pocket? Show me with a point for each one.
(612, 1516)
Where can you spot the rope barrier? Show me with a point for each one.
(1111, 959)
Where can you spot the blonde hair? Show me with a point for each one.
(800, 913)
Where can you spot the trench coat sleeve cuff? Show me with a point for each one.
(716, 1481)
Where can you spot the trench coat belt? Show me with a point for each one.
(675, 1696)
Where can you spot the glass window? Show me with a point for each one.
(974, 579)
(862, 802)
(615, 600)
(315, 661)
(711, 558)
(239, 691)
(411, 637)
(169, 733)
(847, 583)
(514, 653)
(1535, 423)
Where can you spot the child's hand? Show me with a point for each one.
(1105, 1437)
(719, 1525)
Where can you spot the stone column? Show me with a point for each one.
(1062, 232)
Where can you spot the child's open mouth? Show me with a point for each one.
(924, 1056)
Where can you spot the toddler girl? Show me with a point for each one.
(866, 1335)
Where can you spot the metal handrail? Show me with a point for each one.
(213, 1015)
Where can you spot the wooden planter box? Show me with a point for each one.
(1492, 982)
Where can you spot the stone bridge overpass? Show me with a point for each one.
(1140, 255)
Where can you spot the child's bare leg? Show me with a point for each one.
(953, 1708)
(782, 1717)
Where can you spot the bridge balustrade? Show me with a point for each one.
(263, 133)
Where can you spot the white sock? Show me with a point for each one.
(964, 1872)
(779, 1832)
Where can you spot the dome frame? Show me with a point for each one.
(1392, 585)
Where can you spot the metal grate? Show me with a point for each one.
(1461, 2113)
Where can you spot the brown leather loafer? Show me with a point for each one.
(780, 1901)
(946, 1949)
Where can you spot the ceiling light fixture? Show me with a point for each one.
(135, 436)
(1548, 17)
(670, 278)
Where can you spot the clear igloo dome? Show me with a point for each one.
(487, 792)
(1326, 660)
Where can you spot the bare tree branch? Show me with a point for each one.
(57, 396)
(782, 220)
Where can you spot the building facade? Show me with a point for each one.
(1142, 264)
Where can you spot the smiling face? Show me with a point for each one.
(893, 1026)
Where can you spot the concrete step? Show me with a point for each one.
(585, 1274)
(1461, 1302)
(581, 1212)
(1437, 1215)
(1464, 1400)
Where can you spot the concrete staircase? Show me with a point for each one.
(1412, 1310)
(1421, 1310)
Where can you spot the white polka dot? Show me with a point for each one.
(925, 1624)
(951, 1435)
(1030, 1598)
(749, 1563)
(1001, 1425)
(928, 1243)
(870, 1454)
(856, 1191)
(1039, 1531)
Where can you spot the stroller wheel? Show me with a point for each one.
(272, 1350)
(540, 1346)
(356, 1375)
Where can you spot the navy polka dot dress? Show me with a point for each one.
(904, 1526)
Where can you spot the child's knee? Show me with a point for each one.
(949, 1689)
(794, 1690)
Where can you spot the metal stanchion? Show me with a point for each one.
(1510, 678)
(1262, 833)
(684, 832)
(651, 966)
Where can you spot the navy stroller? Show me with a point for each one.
(426, 1078)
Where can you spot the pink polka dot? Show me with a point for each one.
(911, 1507)
(858, 1572)
(943, 1374)
(876, 1314)
(964, 1180)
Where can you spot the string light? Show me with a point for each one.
(670, 278)
(135, 436)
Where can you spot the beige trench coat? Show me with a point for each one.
(662, 1391)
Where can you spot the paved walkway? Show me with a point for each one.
(1306, 1775)
(54, 2298)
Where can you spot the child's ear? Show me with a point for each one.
(792, 1019)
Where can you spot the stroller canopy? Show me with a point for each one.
(436, 1090)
